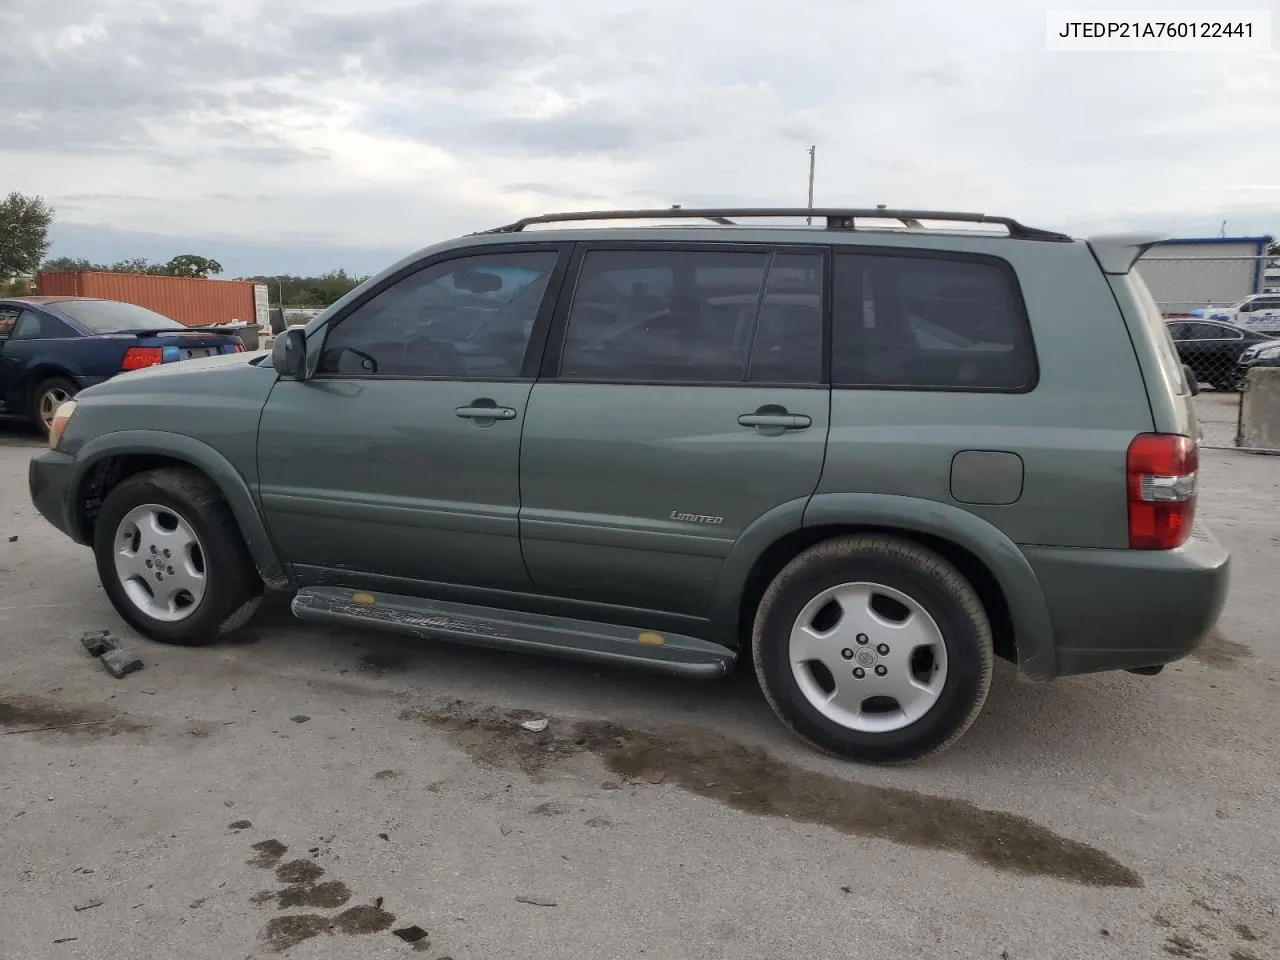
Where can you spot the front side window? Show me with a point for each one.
(695, 316)
(938, 323)
(466, 318)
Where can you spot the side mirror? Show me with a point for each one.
(1192, 383)
(289, 355)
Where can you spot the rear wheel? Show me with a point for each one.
(171, 559)
(47, 397)
(873, 648)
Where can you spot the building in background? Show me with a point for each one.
(188, 300)
(1190, 273)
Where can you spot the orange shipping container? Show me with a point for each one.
(185, 299)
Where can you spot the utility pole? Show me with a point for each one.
(813, 151)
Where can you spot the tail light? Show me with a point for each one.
(239, 348)
(1161, 470)
(135, 358)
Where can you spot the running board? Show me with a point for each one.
(511, 630)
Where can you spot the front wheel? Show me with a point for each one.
(873, 648)
(171, 559)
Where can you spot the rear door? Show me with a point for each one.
(682, 399)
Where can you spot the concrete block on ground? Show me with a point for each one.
(97, 642)
(1260, 410)
(120, 662)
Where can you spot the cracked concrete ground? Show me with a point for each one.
(306, 792)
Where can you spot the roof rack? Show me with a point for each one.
(837, 218)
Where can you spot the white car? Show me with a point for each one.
(1260, 312)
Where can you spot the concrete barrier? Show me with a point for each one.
(1259, 424)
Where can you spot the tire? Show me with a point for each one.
(46, 397)
(213, 589)
(943, 653)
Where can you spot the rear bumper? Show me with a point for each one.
(1116, 609)
(49, 478)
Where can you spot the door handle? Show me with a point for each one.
(783, 421)
(486, 413)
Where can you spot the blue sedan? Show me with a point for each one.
(53, 347)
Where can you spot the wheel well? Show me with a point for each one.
(781, 552)
(109, 473)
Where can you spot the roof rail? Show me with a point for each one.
(838, 218)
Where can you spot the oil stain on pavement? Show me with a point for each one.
(40, 714)
(282, 933)
(302, 890)
(752, 780)
(1218, 651)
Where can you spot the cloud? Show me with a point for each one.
(279, 131)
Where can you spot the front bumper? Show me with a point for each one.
(50, 477)
(1117, 609)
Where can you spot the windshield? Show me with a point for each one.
(112, 316)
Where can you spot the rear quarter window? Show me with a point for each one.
(934, 322)
(1166, 353)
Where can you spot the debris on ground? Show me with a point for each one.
(537, 901)
(120, 663)
(86, 905)
(534, 726)
(239, 825)
(97, 642)
(65, 939)
(14, 539)
(410, 934)
(384, 836)
(300, 718)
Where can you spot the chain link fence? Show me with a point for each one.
(1217, 308)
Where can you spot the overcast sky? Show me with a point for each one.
(299, 135)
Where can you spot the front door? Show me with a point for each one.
(682, 400)
(399, 458)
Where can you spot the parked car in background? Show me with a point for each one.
(51, 348)
(866, 461)
(1259, 312)
(1212, 349)
(1265, 354)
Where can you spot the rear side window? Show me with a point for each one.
(1162, 336)
(695, 316)
(925, 322)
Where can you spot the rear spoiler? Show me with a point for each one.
(1116, 253)
(225, 328)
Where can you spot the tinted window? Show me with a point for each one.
(916, 321)
(1211, 331)
(787, 347)
(37, 326)
(469, 317)
(693, 316)
(112, 316)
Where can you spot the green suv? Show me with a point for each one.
(871, 450)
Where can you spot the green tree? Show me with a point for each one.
(70, 263)
(190, 265)
(134, 265)
(24, 234)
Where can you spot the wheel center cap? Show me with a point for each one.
(866, 657)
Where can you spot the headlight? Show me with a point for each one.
(61, 417)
